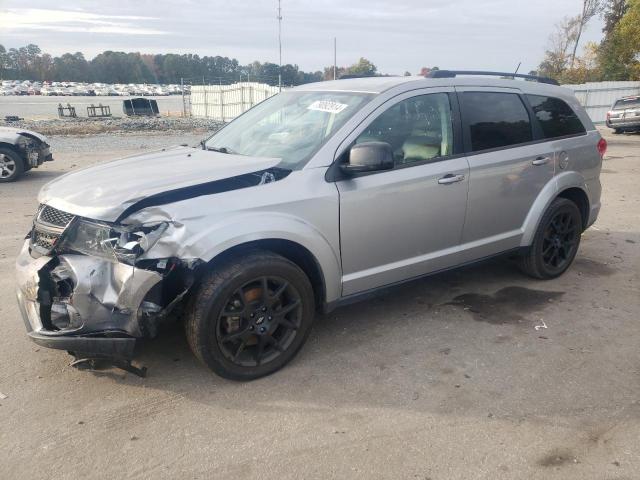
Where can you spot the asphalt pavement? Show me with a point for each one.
(480, 373)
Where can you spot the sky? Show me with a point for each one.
(397, 36)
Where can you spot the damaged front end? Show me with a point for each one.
(34, 150)
(83, 286)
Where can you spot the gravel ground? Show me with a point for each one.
(444, 378)
(105, 146)
(87, 126)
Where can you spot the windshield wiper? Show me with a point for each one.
(221, 150)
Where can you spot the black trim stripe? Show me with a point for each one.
(209, 188)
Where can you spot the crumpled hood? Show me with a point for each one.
(11, 134)
(104, 191)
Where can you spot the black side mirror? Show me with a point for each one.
(368, 157)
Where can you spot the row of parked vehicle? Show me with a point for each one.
(26, 87)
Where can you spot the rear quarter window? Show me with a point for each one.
(495, 120)
(556, 118)
(627, 103)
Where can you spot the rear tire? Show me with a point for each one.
(250, 315)
(556, 241)
(11, 166)
(617, 131)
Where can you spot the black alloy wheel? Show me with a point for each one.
(555, 242)
(250, 315)
(259, 321)
(560, 240)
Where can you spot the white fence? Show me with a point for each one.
(226, 102)
(597, 97)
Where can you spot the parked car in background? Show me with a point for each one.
(312, 199)
(624, 115)
(20, 151)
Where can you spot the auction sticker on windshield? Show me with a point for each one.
(327, 106)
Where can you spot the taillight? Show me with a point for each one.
(608, 115)
(602, 147)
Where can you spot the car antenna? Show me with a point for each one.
(518, 67)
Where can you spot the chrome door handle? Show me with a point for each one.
(541, 160)
(450, 178)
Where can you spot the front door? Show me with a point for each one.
(405, 222)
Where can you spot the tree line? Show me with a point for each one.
(616, 57)
(31, 63)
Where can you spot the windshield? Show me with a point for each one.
(291, 126)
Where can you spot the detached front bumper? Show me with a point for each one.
(82, 304)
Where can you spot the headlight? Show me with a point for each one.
(112, 242)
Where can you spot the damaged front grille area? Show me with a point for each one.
(53, 216)
(48, 227)
(44, 241)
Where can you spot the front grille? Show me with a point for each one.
(49, 225)
(53, 216)
(44, 240)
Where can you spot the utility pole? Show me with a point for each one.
(335, 55)
(184, 104)
(280, 45)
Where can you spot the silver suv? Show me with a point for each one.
(624, 115)
(314, 197)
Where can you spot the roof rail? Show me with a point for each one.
(453, 73)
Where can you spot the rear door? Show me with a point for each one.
(509, 166)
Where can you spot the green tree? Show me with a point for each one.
(362, 67)
(121, 67)
(557, 57)
(328, 73)
(612, 13)
(30, 63)
(4, 62)
(619, 53)
(71, 67)
(590, 8)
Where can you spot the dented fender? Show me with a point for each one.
(206, 240)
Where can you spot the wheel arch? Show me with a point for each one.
(579, 197)
(569, 185)
(12, 147)
(292, 251)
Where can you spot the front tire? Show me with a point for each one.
(250, 315)
(556, 241)
(11, 165)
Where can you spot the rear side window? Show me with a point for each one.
(496, 120)
(556, 118)
(627, 103)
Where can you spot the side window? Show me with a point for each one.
(496, 119)
(418, 129)
(556, 118)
